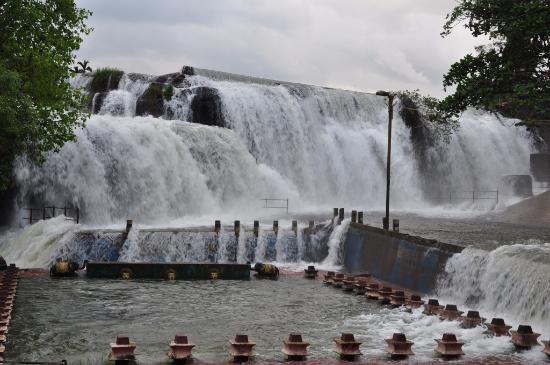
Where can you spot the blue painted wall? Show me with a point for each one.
(409, 262)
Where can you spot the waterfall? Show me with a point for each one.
(511, 281)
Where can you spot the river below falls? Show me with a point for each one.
(75, 319)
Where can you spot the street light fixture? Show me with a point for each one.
(390, 97)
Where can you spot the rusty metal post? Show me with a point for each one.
(276, 227)
(217, 226)
(311, 225)
(396, 225)
(77, 215)
(256, 228)
(340, 215)
(65, 211)
(360, 217)
(353, 216)
(385, 224)
(237, 228)
(53, 212)
(129, 224)
(44, 213)
(30, 218)
(335, 212)
(295, 227)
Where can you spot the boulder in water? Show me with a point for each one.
(3, 264)
(151, 102)
(207, 107)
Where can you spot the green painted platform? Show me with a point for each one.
(167, 271)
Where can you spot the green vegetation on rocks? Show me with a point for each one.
(105, 79)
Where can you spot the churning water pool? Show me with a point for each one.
(75, 319)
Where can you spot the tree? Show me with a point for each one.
(511, 74)
(39, 110)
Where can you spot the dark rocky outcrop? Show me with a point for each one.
(188, 70)
(206, 107)
(7, 205)
(151, 102)
(97, 101)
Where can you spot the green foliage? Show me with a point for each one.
(428, 110)
(105, 79)
(168, 92)
(511, 74)
(38, 108)
(81, 67)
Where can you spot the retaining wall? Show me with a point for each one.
(407, 261)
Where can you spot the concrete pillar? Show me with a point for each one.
(396, 225)
(276, 227)
(353, 216)
(311, 225)
(360, 217)
(385, 223)
(237, 228)
(129, 224)
(340, 215)
(295, 227)
(335, 214)
(217, 226)
(256, 228)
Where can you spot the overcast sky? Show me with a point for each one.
(361, 45)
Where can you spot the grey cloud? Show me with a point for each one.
(356, 44)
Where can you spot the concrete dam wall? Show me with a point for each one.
(404, 260)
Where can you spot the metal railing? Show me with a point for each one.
(275, 203)
(38, 214)
(464, 195)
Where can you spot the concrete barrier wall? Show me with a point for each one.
(404, 260)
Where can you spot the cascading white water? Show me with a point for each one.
(512, 281)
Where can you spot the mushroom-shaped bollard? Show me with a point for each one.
(546, 348)
(398, 346)
(360, 286)
(338, 280)
(241, 348)
(498, 327)
(471, 320)
(348, 283)
(524, 338)
(122, 349)
(450, 313)
(397, 299)
(347, 347)
(384, 295)
(294, 348)
(329, 276)
(372, 291)
(448, 346)
(414, 302)
(310, 272)
(180, 348)
(432, 307)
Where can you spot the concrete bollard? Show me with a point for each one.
(335, 210)
(256, 228)
(311, 225)
(360, 217)
(448, 346)
(122, 349)
(217, 226)
(353, 216)
(340, 215)
(396, 225)
(276, 227)
(129, 224)
(295, 227)
(237, 228)
(347, 347)
(524, 337)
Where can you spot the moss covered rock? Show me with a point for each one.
(151, 102)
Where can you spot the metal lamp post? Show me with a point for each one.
(390, 118)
